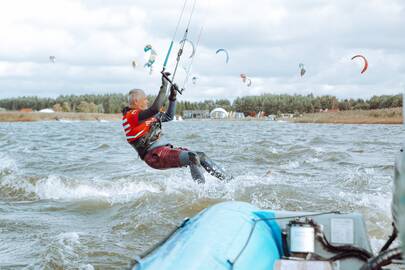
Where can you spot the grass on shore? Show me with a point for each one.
(13, 116)
(380, 116)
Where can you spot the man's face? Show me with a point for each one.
(142, 103)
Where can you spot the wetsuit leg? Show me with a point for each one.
(163, 157)
(197, 174)
(201, 159)
(212, 168)
(166, 157)
(192, 160)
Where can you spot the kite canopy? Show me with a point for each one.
(365, 62)
(152, 56)
(194, 79)
(226, 54)
(246, 80)
(147, 48)
(302, 69)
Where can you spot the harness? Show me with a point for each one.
(142, 144)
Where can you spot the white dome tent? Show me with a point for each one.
(47, 111)
(218, 113)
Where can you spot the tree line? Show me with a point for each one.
(249, 105)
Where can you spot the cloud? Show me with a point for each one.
(94, 42)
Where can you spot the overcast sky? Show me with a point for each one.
(94, 42)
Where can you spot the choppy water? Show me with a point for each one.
(75, 195)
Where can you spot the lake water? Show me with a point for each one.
(75, 194)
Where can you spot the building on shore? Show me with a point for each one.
(218, 113)
(196, 114)
(236, 115)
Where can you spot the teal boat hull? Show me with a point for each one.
(224, 236)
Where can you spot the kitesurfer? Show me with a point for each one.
(142, 126)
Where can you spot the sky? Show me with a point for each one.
(95, 41)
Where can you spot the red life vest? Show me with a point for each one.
(135, 130)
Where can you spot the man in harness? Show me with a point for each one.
(142, 126)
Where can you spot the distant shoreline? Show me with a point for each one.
(381, 116)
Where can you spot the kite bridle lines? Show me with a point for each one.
(180, 52)
(192, 60)
(174, 36)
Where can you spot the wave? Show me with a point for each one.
(63, 251)
(65, 189)
(7, 164)
(192, 136)
(68, 121)
(290, 165)
(19, 187)
(103, 146)
(121, 191)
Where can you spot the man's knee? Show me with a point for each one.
(189, 158)
(202, 156)
(195, 158)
